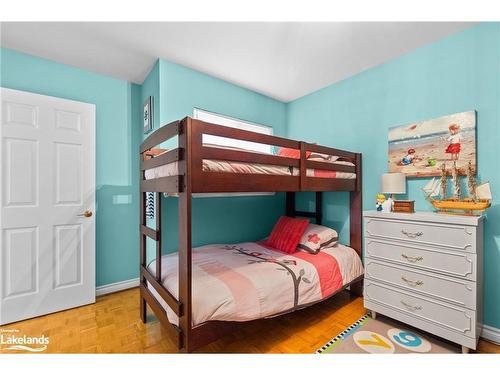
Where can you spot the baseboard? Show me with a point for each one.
(491, 333)
(116, 287)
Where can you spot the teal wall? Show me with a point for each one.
(216, 220)
(151, 87)
(456, 74)
(117, 115)
(182, 89)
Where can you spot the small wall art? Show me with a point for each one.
(148, 115)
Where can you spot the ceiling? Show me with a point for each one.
(280, 59)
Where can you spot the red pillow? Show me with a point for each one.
(287, 233)
(291, 153)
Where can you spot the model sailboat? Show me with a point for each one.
(479, 195)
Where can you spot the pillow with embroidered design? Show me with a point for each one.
(316, 237)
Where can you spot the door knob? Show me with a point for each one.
(87, 213)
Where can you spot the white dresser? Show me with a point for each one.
(426, 269)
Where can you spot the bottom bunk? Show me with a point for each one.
(249, 281)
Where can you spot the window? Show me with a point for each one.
(215, 118)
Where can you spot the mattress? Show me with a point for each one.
(172, 169)
(248, 281)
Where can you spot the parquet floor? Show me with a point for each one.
(112, 325)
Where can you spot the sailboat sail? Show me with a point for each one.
(432, 188)
(429, 187)
(437, 189)
(483, 191)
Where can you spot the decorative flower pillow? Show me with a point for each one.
(317, 237)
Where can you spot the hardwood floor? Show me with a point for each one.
(112, 325)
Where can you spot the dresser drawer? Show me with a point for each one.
(452, 263)
(428, 311)
(441, 235)
(451, 290)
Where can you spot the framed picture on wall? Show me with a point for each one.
(419, 149)
(148, 115)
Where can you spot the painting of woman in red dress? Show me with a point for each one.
(455, 137)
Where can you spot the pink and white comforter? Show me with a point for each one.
(209, 165)
(249, 281)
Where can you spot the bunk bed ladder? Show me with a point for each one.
(158, 236)
(155, 280)
(154, 234)
(142, 278)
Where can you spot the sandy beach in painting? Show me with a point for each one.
(429, 139)
(426, 151)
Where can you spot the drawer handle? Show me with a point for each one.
(410, 234)
(412, 282)
(411, 307)
(412, 259)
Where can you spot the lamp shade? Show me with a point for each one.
(393, 183)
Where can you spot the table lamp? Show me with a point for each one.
(392, 183)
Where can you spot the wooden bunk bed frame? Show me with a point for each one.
(193, 179)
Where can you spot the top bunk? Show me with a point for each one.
(198, 167)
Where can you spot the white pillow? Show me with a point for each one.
(316, 156)
(317, 237)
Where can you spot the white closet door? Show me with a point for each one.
(47, 221)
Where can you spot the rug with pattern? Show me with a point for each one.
(385, 336)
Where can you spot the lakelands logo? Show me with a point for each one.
(11, 339)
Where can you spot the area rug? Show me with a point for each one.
(384, 336)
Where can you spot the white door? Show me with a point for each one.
(47, 260)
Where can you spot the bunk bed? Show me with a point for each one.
(195, 167)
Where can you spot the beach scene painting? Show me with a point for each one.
(419, 149)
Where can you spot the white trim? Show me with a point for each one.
(235, 123)
(199, 113)
(491, 333)
(116, 287)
